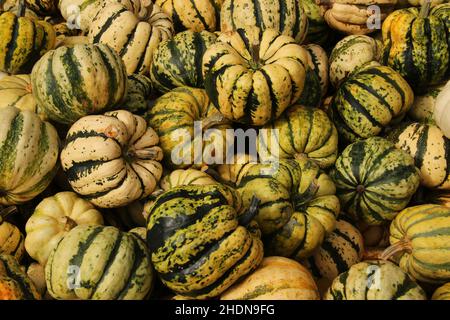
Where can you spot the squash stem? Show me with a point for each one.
(214, 120)
(69, 223)
(4, 213)
(402, 245)
(147, 154)
(425, 9)
(248, 216)
(255, 63)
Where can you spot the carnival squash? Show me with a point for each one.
(11, 240)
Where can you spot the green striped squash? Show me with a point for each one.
(14, 283)
(374, 180)
(422, 110)
(202, 239)
(374, 280)
(371, 98)
(422, 59)
(177, 62)
(195, 15)
(442, 293)
(23, 41)
(112, 159)
(442, 11)
(298, 204)
(420, 236)
(29, 149)
(252, 76)
(300, 131)
(429, 148)
(139, 91)
(66, 85)
(341, 249)
(318, 31)
(285, 16)
(176, 117)
(99, 263)
(134, 38)
(11, 240)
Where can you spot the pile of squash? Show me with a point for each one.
(99, 99)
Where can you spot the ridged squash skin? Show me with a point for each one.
(369, 100)
(277, 278)
(11, 240)
(442, 293)
(441, 107)
(318, 31)
(177, 62)
(416, 45)
(181, 117)
(252, 76)
(117, 27)
(429, 147)
(374, 180)
(187, 219)
(139, 90)
(421, 233)
(182, 177)
(196, 15)
(112, 159)
(374, 280)
(300, 131)
(29, 149)
(99, 263)
(53, 218)
(72, 82)
(14, 283)
(23, 41)
(285, 16)
(298, 204)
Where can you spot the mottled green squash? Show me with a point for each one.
(139, 91)
(318, 31)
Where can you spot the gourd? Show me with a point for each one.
(14, 283)
(369, 100)
(277, 278)
(36, 273)
(183, 116)
(177, 62)
(196, 15)
(374, 180)
(442, 293)
(252, 76)
(139, 91)
(53, 218)
(204, 216)
(374, 280)
(423, 107)
(318, 30)
(429, 147)
(117, 26)
(186, 177)
(441, 110)
(285, 16)
(71, 82)
(299, 132)
(122, 271)
(43, 7)
(422, 60)
(298, 204)
(29, 150)
(419, 237)
(351, 53)
(112, 159)
(11, 240)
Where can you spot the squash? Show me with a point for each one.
(374, 236)
(71, 41)
(53, 218)
(29, 150)
(72, 82)
(351, 53)
(140, 89)
(43, 7)
(117, 26)
(252, 76)
(318, 31)
(220, 242)
(442, 293)
(277, 278)
(441, 107)
(14, 283)
(416, 3)
(429, 148)
(183, 116)
(419, 237)
(298, 204)
(23, 41)
(16, 7)
(11, 240)
(374, 280)
(341, 249)
(99, 263)
(374, 180)
(423, 107)
(195, 15)
(177, 62)
(186, 177)
(285, 16)
(423, 59)
(112, 159)
(300, 131)
(369, 100)
(36, 273)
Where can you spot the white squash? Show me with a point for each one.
(442, 110)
